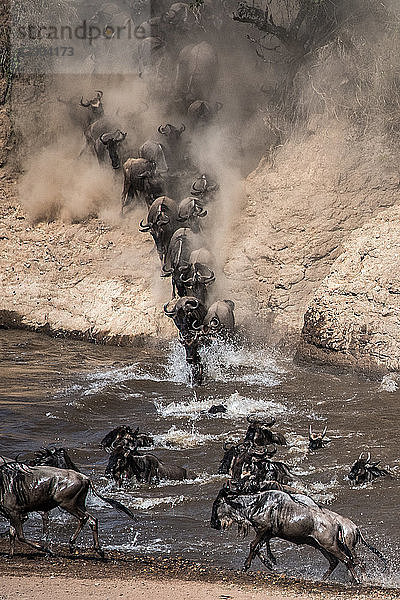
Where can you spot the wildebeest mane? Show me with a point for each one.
(12, 479)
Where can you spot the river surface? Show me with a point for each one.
(68, 393)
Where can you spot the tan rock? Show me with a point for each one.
(300, 208)
(353, 319)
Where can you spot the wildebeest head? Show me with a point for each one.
(363, 470)
(201, 111)
(259, 433)
(316, 440)
(196, 277)
(187, 313)
(204, 187)
(225, 511)
(172, 133)
(112, 141)
(114, 437)
(95, 104)
(53, 457)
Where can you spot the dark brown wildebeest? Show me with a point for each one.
(364, 471)
(295, 518)
(140, 182)
(53, 457)
(25, 489)
(125, 464)
(258, 431)
(162, 222)
(126, 437)
(316, 440)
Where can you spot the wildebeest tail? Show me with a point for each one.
(114, 503)
(374, 550)
(342, 544)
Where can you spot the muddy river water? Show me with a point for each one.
(69, 393)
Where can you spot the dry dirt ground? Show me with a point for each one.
(34, 577)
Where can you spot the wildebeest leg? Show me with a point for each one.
(94, 525)
(46, 526)
(12, 535)
(74, 536)
(16, 525)
(126, 198)
(271, 560)
(254, 548)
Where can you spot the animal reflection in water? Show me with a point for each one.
(25, 489)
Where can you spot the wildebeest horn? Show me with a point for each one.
(169, 313)
(369, 457)
(105, 138)
(85, 104)
(193, 303)
(310, 433)
(164, 130)
(361, 455)
(119, 136)
(215, 323)
(196, 325)
(99, 94)
(208, 278)
(165, 271)
(228, 445)
(144, 227)
(182, 129)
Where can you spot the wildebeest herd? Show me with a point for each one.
(160, 172)
(261, 492)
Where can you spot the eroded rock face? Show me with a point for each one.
(299, 210)
(89, 280)
(353, 319)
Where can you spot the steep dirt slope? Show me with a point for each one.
(353, 319)
(88, 279)
(299, 210)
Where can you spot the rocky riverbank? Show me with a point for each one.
(353, 319)
(89, 280)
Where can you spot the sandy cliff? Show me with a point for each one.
(89, 280)
(299, 210)
(353, 318)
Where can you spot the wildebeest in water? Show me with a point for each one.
(25, 489)
(295, 518)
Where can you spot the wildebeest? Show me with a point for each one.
(162, 222)
(258, 431)
(84, 118)
(189, 212)
(196, 72)
(191, 343)
(201, 112)
(181, 245)
(220, 318)
(291, 517)
(107, 145)
(123, 435)
(140, 182)
(364, 471)
(186, 312)
(25, 489)
(316, 440)
(196, 276)
(53, 457)
(166, 151)
(204, 188)
(125, 464)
